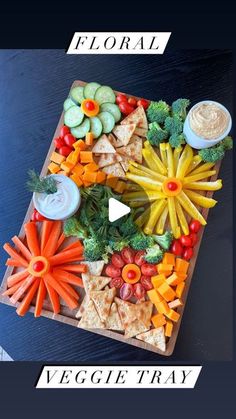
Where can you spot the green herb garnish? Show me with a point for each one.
(46, 185)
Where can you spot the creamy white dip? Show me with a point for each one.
(208, 120)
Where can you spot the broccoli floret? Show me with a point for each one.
(156, 134)
(72, 227)
(158, 111)
(128, 227)
(164, 240)
(176, 140)
(227, 143)
(179, 108)
(141, 242)
(212, 154)
(94, 249)
(154, 254)
(173, 125)
(117, 246)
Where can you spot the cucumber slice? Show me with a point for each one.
(73, 116)
(90, 89)
(77, 94)
(96, 126)
(107, 120)
(104, 94)
(113, 109)
(68, 103)
(82, 129)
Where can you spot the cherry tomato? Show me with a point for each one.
(121, 98)
(117, 261)
(176, 248)
(131, 274)
(172, 186)
(139, 258)
(195, 226)
(90, 105)
(188, 253)
(143, 102)
(116, 282)
(64, 130)
(38, 266)
(65, 150)
(185, 241)
(148, 269)
(126, 108)
(59, 142)
(132, 101)
(127, 255)
(33, 216)
(194, 238)
(146, 282)
(112, 271)
(126, 291)
(69, 140)
(139, 290)
(39, 217)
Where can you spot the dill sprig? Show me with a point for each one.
(42, 185)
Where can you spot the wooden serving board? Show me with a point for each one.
(68, 316)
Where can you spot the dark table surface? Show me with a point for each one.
(33, 86)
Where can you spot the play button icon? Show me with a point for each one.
(117, 209)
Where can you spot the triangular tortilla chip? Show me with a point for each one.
(82, 307)
(155, 337)
(94, 283)
(123, 133)
(125, 162)
(107, 159)
(103, 301)
(135, 328)
(90, 318)
(144, 312)
(141, 131)
(95, 268)
(133, 149)
(114, 170)
(137, 117)
(127, 311)
(103, 145)
(113, 321)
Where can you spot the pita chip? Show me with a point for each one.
(155, 337)
(123, 134)
(135, 328)
(82, 307)
(144, 312)
(133, 149)
(90, 318)
(142, 132)
(107, 159)
(94, 283)
(113, 321)
(137, 117)
(103, 301)
(114, 170)
(103, 145)
(127, 311)
(125, 162)
(95, 268)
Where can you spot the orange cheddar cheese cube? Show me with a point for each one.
(168, 328)
(77, 179)
(87, 183)
(181, 265)
(168, 259)
(53, 168)
(179, 289)
(89, 177)
(111, 181)
(89, 138)
(91, 167)
(173, 315)
(67, 167)
(158, 280)
(166, 292)
(120, 186)
(57, 158)
(158, 320)
(175, 279)
(154, 296)
(62, 172)
(175, 303)
(101, 176)
(73, 156)
(164, 268)
(80, 144)
(86, 157)
(78, 169)
(162, 307)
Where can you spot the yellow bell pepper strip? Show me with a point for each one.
(162, 220)
(170, 161)
(150, 158)
(133, 187)
(177, 152)
(155, 212)
(199, 176)
(161, 168)
(139, 169)
(162, 147)
(196, 160)
(145, 182)
(201, 200)
(142, 196)
(203, 168)
(173, 217)
(205, 186)
(184, 162)
(190, 208)
(136, 204)
(143, 218)
(181, 217)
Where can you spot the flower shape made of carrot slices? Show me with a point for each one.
(171, 185)
(46, 268)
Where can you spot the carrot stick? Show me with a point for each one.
(45, 233)
(60, 240)
(81, 268)
(54, 298)
(64, 276)
(73, 245)
(22, 248)
(63, 257)
(70, 301)
(32, 238)
(13, 262)
(73, 259)
(15, 287)
(18, 276)
(21, 290)
(40, 298)
(68, 288)
(51, 245)
(24, 305)
(14, 254)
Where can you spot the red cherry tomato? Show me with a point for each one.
(143, 102)
(116, 282)
(117, 261)
(121, 98)
(194, 238)
(148, 269)
(69, 140)
(33, 216)
(38, 266)
(59, 142)
(195, 226)
(90, 105)
(126, 108)
(112, 271)
(139, 258)
(139, 290)
(146, 282)
(65, 151)
(172, 186)
(132, 101)
(127, 255)
(188, 253)
(176, 248)
(39, 217)
(185, 241)
(131, 274)
(126, 291)
(64, 130)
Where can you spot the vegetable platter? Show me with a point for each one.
(128, 279)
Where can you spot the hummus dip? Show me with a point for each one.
(208, 120)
